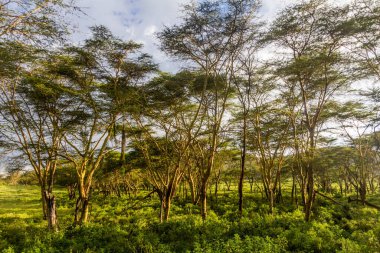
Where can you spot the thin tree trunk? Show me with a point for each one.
(123, 144)
(162, 207)
(309, 193)
(271, 200)
(203, 198)
(293, 188)
(363, 191)
(51, 212)
(192, 190)
(242, 169)
(84, 211)
(44, 204)
(167, 209)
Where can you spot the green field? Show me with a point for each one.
(131, 224)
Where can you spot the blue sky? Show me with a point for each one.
(139, 20)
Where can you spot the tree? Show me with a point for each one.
(210, 37)
(34, 115)
(33, 21)
(245, 75)
(86, 143)
(101, 73)
(169, 124)
(313, 34)
(364, 27)
(357, 123)
(121, 66)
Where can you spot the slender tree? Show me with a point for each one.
(210, 37)
(313, 33)
(35, 114)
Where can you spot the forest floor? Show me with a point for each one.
(131, 224)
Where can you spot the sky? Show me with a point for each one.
(139, 20)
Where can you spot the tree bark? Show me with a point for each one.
(242, 169)
(203, 198)
(51, 211)
(123, 144)
(271, 200)
(44, 204)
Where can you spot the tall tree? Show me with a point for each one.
(86, 144)
(37, 23)
(357, 122)
(245, 75)
(210, 36)
(122, 67)
(170, 122)
(34, 21)
(103, 73)
(34, 116)
(312, 34)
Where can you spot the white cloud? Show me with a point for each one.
(136, 20)
(139, 20)
(150, 30)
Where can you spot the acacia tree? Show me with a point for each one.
(34, 21)
(210, 36)
(34, 116)
(169, 124)
(357, 123)
(121, 66)
(267, 125)
(312, 35)
(246, 74)
(270, 140)
(86, 144)
(100, 73)
(365, 32)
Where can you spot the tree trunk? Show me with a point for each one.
(203, 198)
(242, 168)
(251, 182)
(162, 210)
(363, 191)
(44, 204)
(71, 191)
(293, 187)
(81, 208)
(123, 144)
(216, 190)
(194, 199)
(217, 185)
(309, 193)
(271, 200)
(84, 211)
(167, 210)
(51, 212)
(279, 191)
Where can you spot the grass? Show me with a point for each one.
(130, 224)
(19, 202)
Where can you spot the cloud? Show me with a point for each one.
(150, 31)
(136, 20)
(139, 20)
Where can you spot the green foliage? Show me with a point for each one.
(131, 225)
